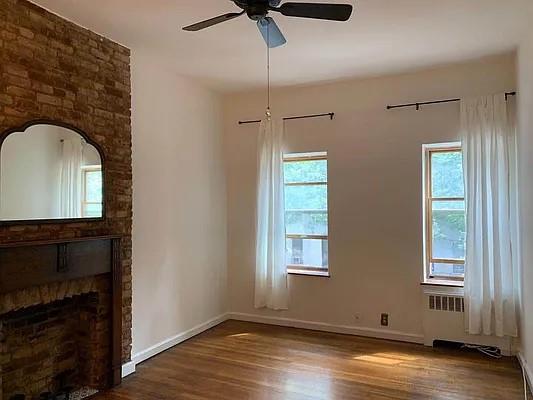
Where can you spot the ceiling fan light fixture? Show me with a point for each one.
(271, 32)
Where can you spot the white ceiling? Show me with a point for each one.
(383, 36)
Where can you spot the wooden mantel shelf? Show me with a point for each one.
(56, 241)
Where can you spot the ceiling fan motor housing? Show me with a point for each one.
(256, 9)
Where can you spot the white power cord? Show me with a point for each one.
(493, 352)
(525, 384)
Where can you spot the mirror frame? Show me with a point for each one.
(23, 129)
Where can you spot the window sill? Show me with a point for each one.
(304, 272)
(442, 282)
(451, 288)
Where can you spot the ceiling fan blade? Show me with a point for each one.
(213, 21)
(333, 12)
(271, 32)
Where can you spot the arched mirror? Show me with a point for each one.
(49, 172)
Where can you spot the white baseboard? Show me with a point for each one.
(128, 369)
(324, 327)
(166, 344)
(175, 340)
(527, 370)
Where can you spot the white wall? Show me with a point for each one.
(525, 72)
(375, 188)
(179, 246)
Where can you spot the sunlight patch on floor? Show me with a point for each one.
(385, 358)
(398, 356)
(240, 335)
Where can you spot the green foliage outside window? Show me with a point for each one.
(448, 216)
(306, 206)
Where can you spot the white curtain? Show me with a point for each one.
(271, 288)
(491, 274)
(71, 178)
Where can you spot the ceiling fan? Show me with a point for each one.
(257, 10)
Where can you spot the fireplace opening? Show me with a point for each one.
(60, 318)
(60, 350)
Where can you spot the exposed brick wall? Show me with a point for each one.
(51, 68)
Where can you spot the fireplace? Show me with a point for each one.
(60, 318)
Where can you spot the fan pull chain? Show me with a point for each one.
(268, 112)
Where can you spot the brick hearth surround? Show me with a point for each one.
(53, 69)
(53, 328)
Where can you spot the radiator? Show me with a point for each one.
(446, 303)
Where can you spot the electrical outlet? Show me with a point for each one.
(384, 319)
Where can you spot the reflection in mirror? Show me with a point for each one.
(49, 172)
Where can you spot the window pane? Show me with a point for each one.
(449, 231)
(313, 197)
(307, 253)
(447, 174)
(306, 171)
(93, 186)
(92, 210)
(447, 270)
(306, 222)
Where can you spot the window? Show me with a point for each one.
(91, 204)
(445, 219)
(306, 213)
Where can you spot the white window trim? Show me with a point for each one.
(427, 280)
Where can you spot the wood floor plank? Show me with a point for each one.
(241, 360)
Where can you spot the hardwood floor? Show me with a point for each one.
(238, 360)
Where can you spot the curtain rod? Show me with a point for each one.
(424, 103)
(330, 115)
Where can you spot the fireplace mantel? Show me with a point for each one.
(31, 264)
